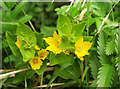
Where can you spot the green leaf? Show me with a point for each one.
(39, 37)
(26, 34)
(48, 31)
(77, 31)
(25, 19)
(87, 38)
(27, 53)
(105, 76)
(42, 68)
(61, 59)
(110, 47)
(119, 52)
(9, 58)
(17, 9)
(101, 47)
(94, 65)
(71, 72)
(10, 5)
(66, 44)
(57, 72)
(11, 39)
(64, 26)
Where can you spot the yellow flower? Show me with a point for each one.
(35, 63)
(54, 43)
(18, 42)
(82, 48)
(42, 54)
(37, 48)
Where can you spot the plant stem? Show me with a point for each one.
(29, 21)
(41, 80)
(82, 70)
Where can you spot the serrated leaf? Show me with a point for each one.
(106, 75)
(26, 34)
(101, 47)
(64, 26)
(94, 65)
(110, 46)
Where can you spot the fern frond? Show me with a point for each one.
(110, 47)
(106, 75)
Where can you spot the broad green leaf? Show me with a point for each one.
(77, 31)
(66, 43)
(106, 74)
(48, 31)
(57, 72)
(64, 26)
(25, 19)
(11, 39)
(17, 9)
(27, 53)
(42, 68)
(61, 59)
(110, 47)
(26, 34)
(87, 38)
(71, 72)
(39, 37)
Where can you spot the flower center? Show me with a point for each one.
(79, 49)
(35, 61)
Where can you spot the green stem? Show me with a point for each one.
(29, 21)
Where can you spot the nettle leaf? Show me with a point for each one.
(25, 33)
(11, 39)
(77, 31)
(42, 68)
(101, 47)
(110, 47)
(39, 37)
(27, 53)
(106, 75)
(61, 59)
(64, 26)
(71, 72)
(66, 43)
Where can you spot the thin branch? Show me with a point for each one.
(51, 85)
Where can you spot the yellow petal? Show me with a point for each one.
(81, 58)
(79, 43)
(81, 53)
(56, 36)
(35, 63)
(42, 54)
(37, 48)
(18, 42)
(52, 41)
(86, 45)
